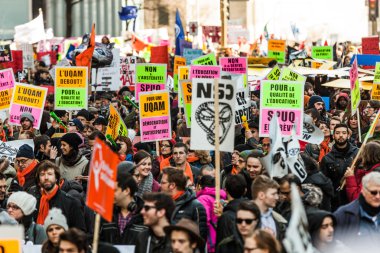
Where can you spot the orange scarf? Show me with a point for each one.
(188, 172)
(192, 159)
(324, 148)
(2, 136)
(234, 170)
(44, 204)
(177, 195)
(22, 173)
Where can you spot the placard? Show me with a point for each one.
(208, 59)
(186, 89)
(322, 53)
(276, 49)
(128, 70)
(178, 61)
(7, 82)
(204, 71)
(370, 45)
(150, 77)
(191, 54)
(355, 87)
(290, 75)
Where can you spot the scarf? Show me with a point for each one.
(71, 159)
(324, 148)
(3, 136)
(145, 185)
(234, 170)
(188, 172)
(192, 159)
(177, 195)
(22, 173)
(44, 204)
(370, 210)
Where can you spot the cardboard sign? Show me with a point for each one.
(186, 89)
(274, 74)
(203, 114)
(209, 72)
(208, 59)
(276, 49)
(101, 181)
(71, 88)
(5, 53)
(290, 75)
(285, 99)
(27, 98)
(16, 63)
(322, 53)
(128, 70)
(116, 126)
(183, 74)
(27, 55)
(178, 61)
(155, 122)
(10, 238)
(191, 54)
(7, 82)
(108, 79)
(370, 45)
(354, 86)
(150, 77)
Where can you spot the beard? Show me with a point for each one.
(48, 186)
(341, 141)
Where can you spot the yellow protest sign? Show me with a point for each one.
(71, 77)
(116, 126)
(178, 61)
(276, 45)
(375, 95)
(10, 246)
(152, 105)
(183, 73)
(29, 96)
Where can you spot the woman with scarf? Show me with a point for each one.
(143, 167)
(166, 148)
(319, 151)
(126, 151)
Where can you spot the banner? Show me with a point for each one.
(116, 126)
(370, 45)
(354, 86)
(71, 88)
(27, 98)
(204, 71)
(208, 59)
(186, 89)
(7, 82)
(276, 49)
(311, 133)
(203, 114)
(155, 121)
(101, 181)
(293, 157)
(128, 71)
(5, 53)
(285, 99)
(322, 53)
(150, 77)
(9, 149)
(108, 79)
(191, 54)
(178, 61)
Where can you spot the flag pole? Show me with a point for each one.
(359, 127)
(223, 39)
(217, 154)
(96, 234)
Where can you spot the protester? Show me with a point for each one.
(263, 241)
(43, 150)
(3, 191)
(73, 240)
(143, 167)
(7, 170)
(166, 148)
(126, 151)
(27, 123)
(319, 151)
(55, 224)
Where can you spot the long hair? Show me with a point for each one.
(371, 154)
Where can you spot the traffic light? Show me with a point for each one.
(373, 10)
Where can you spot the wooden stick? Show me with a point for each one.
(217, 154)
(96, 234)
(157, 148)
(359, 128)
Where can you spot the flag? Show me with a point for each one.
(179, 33)
(293, 159)
(138, 44)
(84, 58)
(128, 12)
(266, 34)
(31, 32)
(68, 54)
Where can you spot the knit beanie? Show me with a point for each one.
(242, 147)
(314, 99)
(25, 201)
(72, 139)
(84, 113)
(27, 115)
(55, 217)
(25, 151)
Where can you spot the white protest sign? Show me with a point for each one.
(108, 79)
(9, 149)
(311, 133)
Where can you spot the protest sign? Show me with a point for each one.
(155, 122)
(310, 132)
(276, 49)
(178, 61)
(203, 114)
(354, 86)
(71, 88)
(159, 54)
(16, 63)
(9, 149)
(128, 70)
(184, 44)
(322, 53)
(375, 94)
(293, 157)
(274, 74)
(208, 59)
(235, 65)
(101, 181)
(10, 238)
(204, 71)
(5, 53)
(7, 82)
(290, 75)
(116, 126)
(108, 79)
(187, 96)
(242, 106)
(150, 77)
(183, 74)
(370, 45)
(27, 98)
(285, 99)
(27, 55)
(191, 54)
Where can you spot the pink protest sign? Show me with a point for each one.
(157, 128)
(286, 118)
(145, 87)
(353, 73)
(7, 79)
(204, 71)
(17, 110)
(234, 65)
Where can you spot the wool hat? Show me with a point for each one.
(188, 226)
(55, 217)
(343, 95)
(27, 115)
(314, 99)
(25, 151)
(100, 121)
(72, 139)
(257, 153)
(241, 147)
(84, 113)
(78, 124)
(25, 201)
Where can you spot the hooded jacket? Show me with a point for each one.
(315, 219)
(354, 183)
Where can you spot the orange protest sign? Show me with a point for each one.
(178, 61)
(102, 179)
(10, 245)
(183, 73)
(276, 45)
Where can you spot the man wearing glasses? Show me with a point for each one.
(157, 211)
(358, 222)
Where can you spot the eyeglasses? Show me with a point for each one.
(14, 207)
(241, 161)
(373, 193)
(247, 221)
(21, 161)
(147, 208)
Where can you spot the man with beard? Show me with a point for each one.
(335, 163)
(342, 101)
(72, 164)
(47, 178)
(26, 121)
(317, 103)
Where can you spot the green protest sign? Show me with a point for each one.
(70, 98)
(289, 75)
(322, 53)
(279, 56)
(208, 59)
(274, 74)
(282, 94)
(376, 78)
(151, 73)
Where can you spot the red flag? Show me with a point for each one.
(84, 58)
(159, 54)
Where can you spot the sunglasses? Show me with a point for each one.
(373, 193)
(247, 221)
(147, 208)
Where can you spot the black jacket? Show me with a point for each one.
(187, 206)
(233, 243)
(317, 178)
(147, 242)
(334, 165)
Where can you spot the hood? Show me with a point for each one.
(188, 196)
(211, 192)
(315, 219)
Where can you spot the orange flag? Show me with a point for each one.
(84, 58)
(138, 44)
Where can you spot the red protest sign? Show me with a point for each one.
(102, 178)
(159, 54)
(17, 63)
(370, 45)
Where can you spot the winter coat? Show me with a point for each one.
(35, 233)
(354, 183)
(70, 172)
(30, 182)
(187, 206)
(334, 165)
(206, 197)
(233, 243)
(317, 178)
(147, 242)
